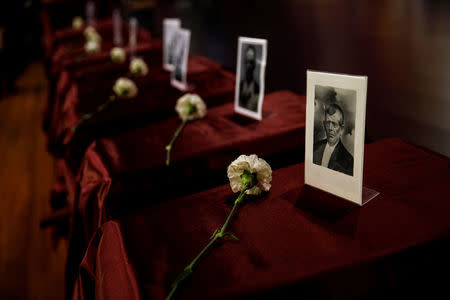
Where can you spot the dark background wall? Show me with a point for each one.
(403, 46)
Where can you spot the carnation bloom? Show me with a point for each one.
(77, 23)
(190, 107)
(253, 165)
(92, 47)
(118, 55)
(91, 34)
(138, 67)
(125, 88)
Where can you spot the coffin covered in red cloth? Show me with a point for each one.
(394, 246)
(70, 51)
(57, 16)
(133, 163)
(90, 69)
(70, 57)
(155, 101)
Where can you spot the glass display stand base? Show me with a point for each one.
(368, 194)
(328, 206)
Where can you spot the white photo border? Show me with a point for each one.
(168, 22)
(246, 112)
(340, 184)
(182, 85)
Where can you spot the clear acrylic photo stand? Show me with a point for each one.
(368, 194)
(329, 206)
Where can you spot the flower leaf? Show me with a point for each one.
(214, 233)
(229, 234)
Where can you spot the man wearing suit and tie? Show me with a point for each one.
(249, 86)
(330, 152)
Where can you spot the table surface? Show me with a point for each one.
(134, 162)
(155, 101)
(71, 53)
(283, 243)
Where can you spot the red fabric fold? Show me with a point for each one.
(284, 250)
(155, 101)
(112, 169)
(199, 157)
(99, 264)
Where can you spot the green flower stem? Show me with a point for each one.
(218, 235)
(88, 116)
(169, 147)
(238, 200)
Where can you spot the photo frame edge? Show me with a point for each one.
(238, 109)
(309, 165)
(182, 85)
(166, 66)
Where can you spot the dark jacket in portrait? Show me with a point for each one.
(178, 74)
(249, 98)
(341, 160)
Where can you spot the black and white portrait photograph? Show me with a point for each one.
(180, 59)
(170, 28)
(335, 125)
(250, 69)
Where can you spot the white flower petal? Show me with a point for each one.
(92, 47)
(118, 55)
(253, 164)
(125, 84)
(77, 23)
(183, 103)
(91, 34)
(138, 67)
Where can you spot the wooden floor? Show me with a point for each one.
(31, 263)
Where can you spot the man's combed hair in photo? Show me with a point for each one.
(331, 110)
(251, 47)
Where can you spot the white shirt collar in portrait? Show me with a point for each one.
(327, 154)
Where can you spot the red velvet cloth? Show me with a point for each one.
(67, 35)
(155, 101)
(70, 51)
(89, 69)
(68, 39)
(75, 56)
(71, 57)
(90, 74)
(133, 163)
(285, 251)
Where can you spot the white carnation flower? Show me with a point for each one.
(138, 67)
(190, 107)
(91, 34)
(92, 47)
(118, 55)
(77, 23)
(125, 88)
(252, 164)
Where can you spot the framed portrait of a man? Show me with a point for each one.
(180, 59)
(250, 72)
(170, 27)
(335, 125)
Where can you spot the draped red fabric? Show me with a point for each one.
(198, 159)
(66, 42)
(113, 168)
(73, 54)
(155, 101)
(68, 54)
(285, 250)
